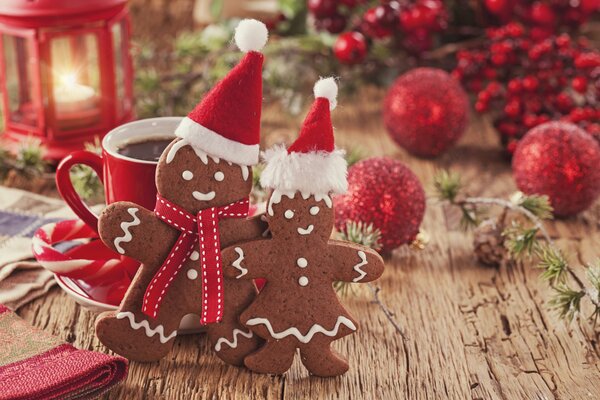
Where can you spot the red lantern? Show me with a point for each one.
(66, 71)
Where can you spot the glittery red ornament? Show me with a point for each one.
(426, 111)
(384, 192)
(560, 160)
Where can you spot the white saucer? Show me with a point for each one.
(189, 324)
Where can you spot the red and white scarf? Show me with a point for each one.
(203, 227)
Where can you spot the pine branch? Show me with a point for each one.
(567, 302)
(554, 264)
(521, 240)
(366, 235)
(388, 314)
(362, 233)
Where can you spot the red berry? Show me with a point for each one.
(530, 120)
(334, 24)
(512, 108)
(514, 85)
(481, 106)
(542, 14)
(587, 60)
(374, 24)
(350, 47)
(322, 8)
(530, 83)
(564, 102)
(579, 83)
(514, 29)
(498, 7)
(512, 146)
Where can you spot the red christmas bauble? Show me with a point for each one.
(562, 161)
(385, 193)
(426, 111)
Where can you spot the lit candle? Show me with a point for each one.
(70, 96)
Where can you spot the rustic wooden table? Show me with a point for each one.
(473, 332)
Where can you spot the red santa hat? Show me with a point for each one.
(226, 123)
(312, 164)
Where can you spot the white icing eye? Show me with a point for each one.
(187, 175)
(314, 210)
(289, 214)
(219, 176)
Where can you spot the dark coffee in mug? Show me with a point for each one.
(148, 149)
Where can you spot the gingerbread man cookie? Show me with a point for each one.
(298, 307)
(203, 178)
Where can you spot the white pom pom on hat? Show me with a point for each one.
(327, 88)
(251, 35)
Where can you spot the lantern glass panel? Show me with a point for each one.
(117, 33)
(75, 80)
(18, 65)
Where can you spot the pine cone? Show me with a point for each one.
(488, 243)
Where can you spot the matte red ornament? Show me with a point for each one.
(426, 111)
(386, 193)
(562, 161)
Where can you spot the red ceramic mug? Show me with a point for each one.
(124, 178)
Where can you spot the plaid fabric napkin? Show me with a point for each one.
(21, 213)
(35, 365)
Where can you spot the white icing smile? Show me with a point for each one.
(204, 196)
(306, 231)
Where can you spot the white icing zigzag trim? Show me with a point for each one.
(125, 227)
(159, 330)
(316, 328)
(238, 263)
(357, 268)
(233, 344)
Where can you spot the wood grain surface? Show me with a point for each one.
(473, 332)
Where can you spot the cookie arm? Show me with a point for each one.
(247, 260)
(235, 230)
(134, 231)
(354, 263)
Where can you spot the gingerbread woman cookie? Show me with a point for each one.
(298, 307)
(203, 179)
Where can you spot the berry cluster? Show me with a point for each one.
(544, 17)
(525, 81)
(409, 23)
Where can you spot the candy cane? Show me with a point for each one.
(62, 264)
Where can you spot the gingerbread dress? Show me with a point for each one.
(298, 307)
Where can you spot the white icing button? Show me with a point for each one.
(289, 214)
(219, 176)
(314, 210)
(194, 256)
(192, 274)
(302, 263)
(303, 281)
(187, 175)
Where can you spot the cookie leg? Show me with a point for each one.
(274, 357)
(320, 360)
(231, 340)
(134, 335)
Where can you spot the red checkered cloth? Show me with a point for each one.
(35, 365)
